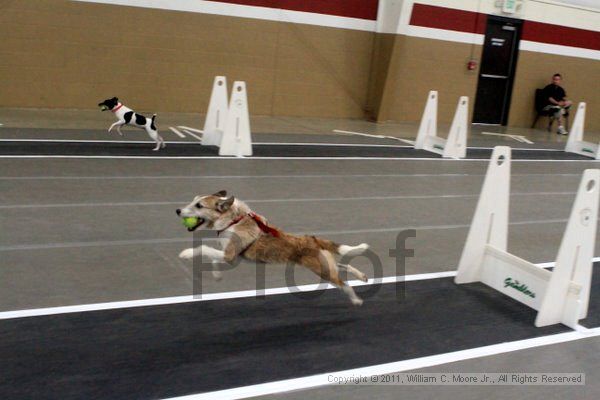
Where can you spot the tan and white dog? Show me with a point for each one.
(248, 235)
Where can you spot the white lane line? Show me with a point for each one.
(129, 242)
(88, 141)
(99, 243)
(213, 296)
(256, 158)
(190, 132)
(389, 368)
(410, 142)
(191, 129)
(299, 200)
(227, 295)
(518, 138)
(314, 144)
(198, 138)
(524, 139)
(324, 176)
(175, 131)
(427, 227)
(396, 146)
(335, 176)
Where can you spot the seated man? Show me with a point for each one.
(557, 102)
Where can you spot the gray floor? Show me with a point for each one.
(574, 357)
(77, 231)
(85, 231)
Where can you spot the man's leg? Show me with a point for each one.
(553, 113)
(561, 117)
(561, 120)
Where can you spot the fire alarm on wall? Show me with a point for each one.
(472, 65)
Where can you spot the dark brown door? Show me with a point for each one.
(498, 62)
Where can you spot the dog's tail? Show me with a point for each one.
(152, 124)
(346, 250)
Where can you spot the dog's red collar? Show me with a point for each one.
(259, 221)
(235, 221)
(117, 108)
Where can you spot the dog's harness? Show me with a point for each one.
(260, 221)
(117, 108)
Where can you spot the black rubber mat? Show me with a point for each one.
(174, 350)
(260, 150)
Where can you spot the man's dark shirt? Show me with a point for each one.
(554, 91)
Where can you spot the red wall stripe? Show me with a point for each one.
(448, 18)
(563, 35)
(472, 22)
(363, 9)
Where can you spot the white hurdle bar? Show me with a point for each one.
(576, 144)
(560, 296)
(455, 146)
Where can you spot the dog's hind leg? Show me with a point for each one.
(156, 137)
(325, 266)
(328, 262)
(153, 132)
(353, 271)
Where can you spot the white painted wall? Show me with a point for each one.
(583, 14)
(388, 15)
(394, 17)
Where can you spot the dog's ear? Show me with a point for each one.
(225, 204)
(115, 99)
(221, 193)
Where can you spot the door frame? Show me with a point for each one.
(518, 23)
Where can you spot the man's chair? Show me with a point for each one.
(540, 103)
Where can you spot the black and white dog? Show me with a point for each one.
(126, 116)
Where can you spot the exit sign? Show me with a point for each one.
(509, 6)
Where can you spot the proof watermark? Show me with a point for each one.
(462, 379)
(212, 259)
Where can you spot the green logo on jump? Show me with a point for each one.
(521, 287)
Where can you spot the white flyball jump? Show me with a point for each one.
(576, 144)
(214, 124)
(455, 146)
(237, 140)
(227, 124)
(560, 296)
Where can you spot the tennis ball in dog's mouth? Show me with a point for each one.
(103, 107)
(190, 222)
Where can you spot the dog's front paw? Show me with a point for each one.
(187, 254)
(363, 277)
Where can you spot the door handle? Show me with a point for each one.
(494, 76)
